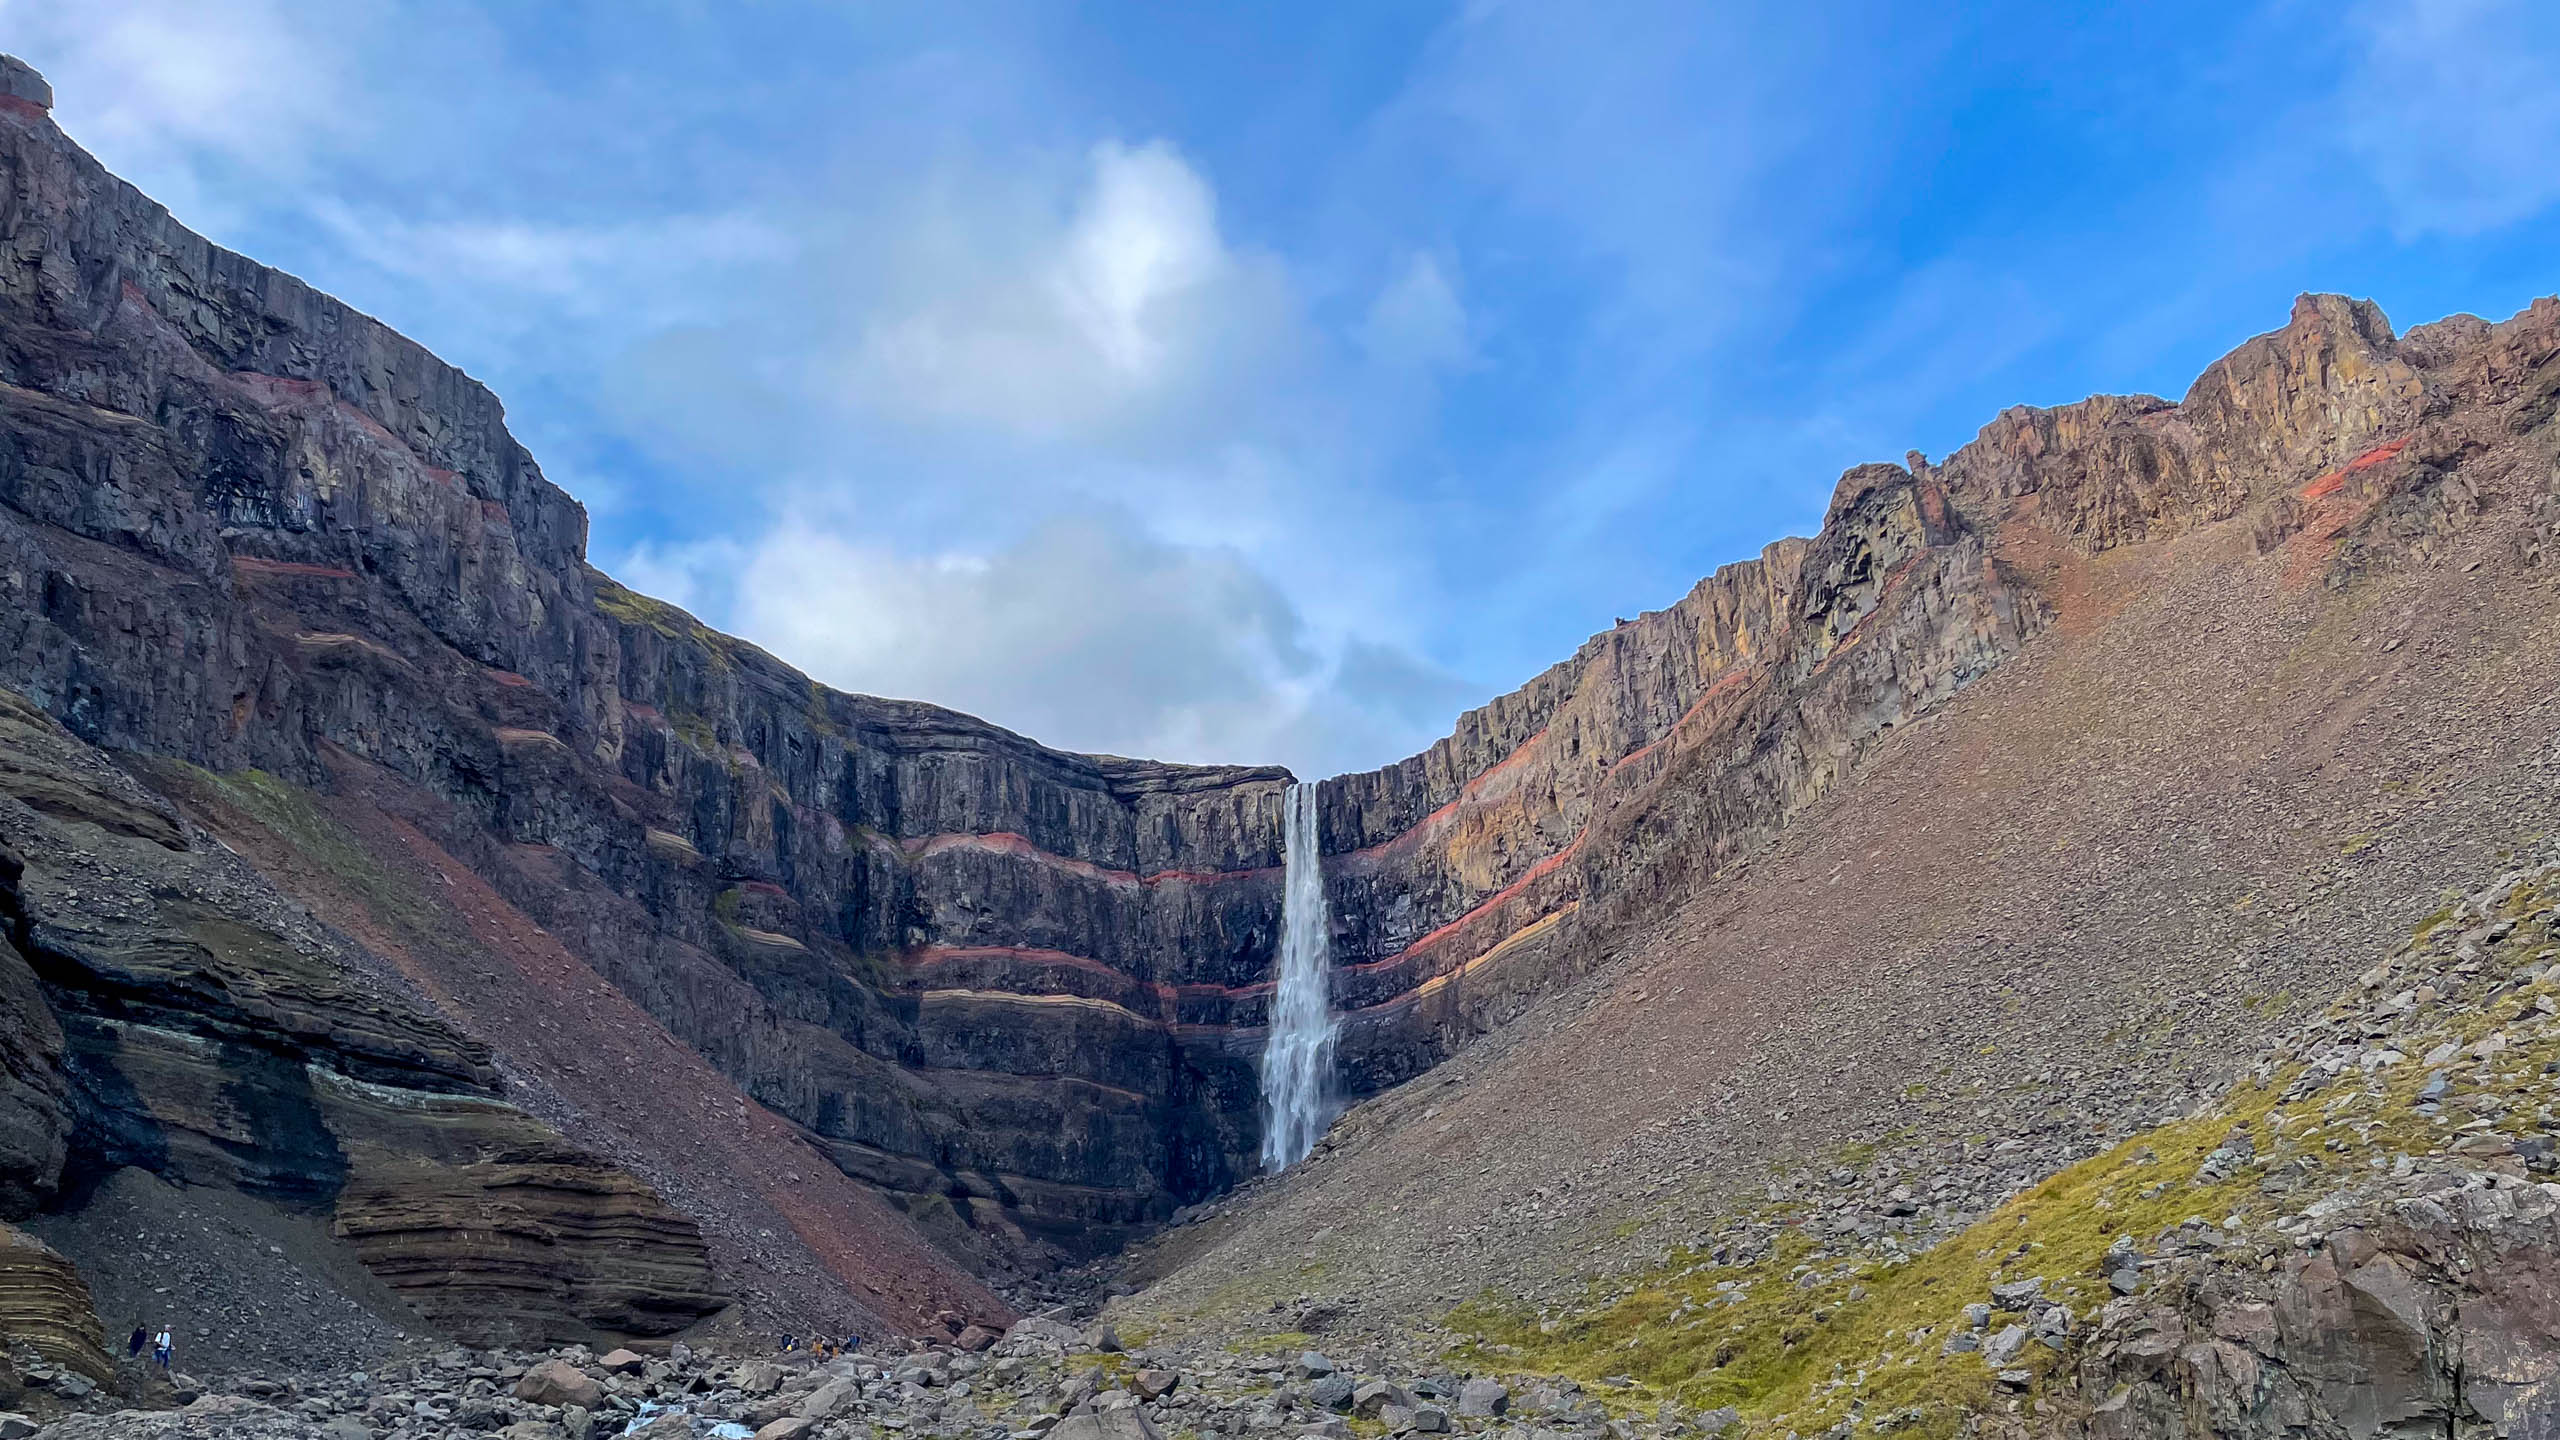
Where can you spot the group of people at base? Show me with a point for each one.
(163, 1346)
(823, 1348)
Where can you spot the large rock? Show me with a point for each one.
(1106, 1425)
(2429, 1315)
(557, 1382)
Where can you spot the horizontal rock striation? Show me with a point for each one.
(44, 1305)
(171, 1011)
(245, 527)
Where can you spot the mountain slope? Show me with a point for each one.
(2293, 674)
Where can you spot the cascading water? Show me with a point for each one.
(1297, 1062)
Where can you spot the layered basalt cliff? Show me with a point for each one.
(170, 1011)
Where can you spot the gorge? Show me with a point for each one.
(535, 965)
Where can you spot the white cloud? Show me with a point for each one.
(639, 273)
(1143, 241)
(1086, 633)
(153, 87)
(2455, 111)
(1079, 321)
(694, 575)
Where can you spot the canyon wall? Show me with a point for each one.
(246, 530)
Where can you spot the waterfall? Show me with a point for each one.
(1297, 1062)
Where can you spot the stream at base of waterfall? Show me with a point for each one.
(1297, 1061)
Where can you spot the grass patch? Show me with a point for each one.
(1801, 1338)
(293, 815)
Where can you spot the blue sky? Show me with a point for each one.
(1269, 383)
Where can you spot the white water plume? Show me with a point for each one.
(1297, 1061)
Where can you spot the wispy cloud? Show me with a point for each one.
(166, 88)
(2454, 105)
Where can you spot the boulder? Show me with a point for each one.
(1333, 1392)
(1045, 1332)
(758, 1377)
(2018, 1294)
(789, 1427)
(1370, 1399)
(975, 1337)
(624, 1362)
(1312, 1365)
(824, 1401)
(557, 1382)
(1152, 1384)
(1481, 1398)
(1108, 1425)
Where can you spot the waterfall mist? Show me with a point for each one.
(1297, 1061)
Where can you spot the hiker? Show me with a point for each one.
(140, 1338)
(790, 1343)
(162, 1349)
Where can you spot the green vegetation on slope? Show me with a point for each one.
(1802, 1338)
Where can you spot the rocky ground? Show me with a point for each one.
(240, 1284)
(1043, 1378)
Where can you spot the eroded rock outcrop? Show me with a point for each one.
(2432, 1315)
(172, 1012)
(45, 1306)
